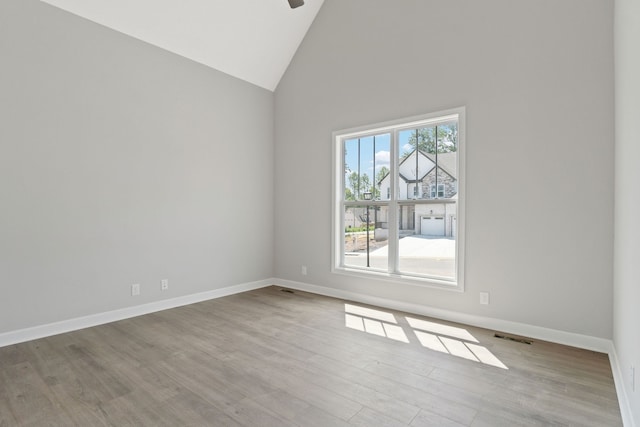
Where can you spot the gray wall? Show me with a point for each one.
(537, 80)
(122, 163)
(626, 336)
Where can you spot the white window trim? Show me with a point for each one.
(338, 184)
(434, 192)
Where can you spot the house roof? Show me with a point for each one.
(446, 162)
(253, 40)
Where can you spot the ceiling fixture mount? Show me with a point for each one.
(295, 3)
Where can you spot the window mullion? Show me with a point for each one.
(393, 205)
(338, 232)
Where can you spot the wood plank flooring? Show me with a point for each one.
(273, 358)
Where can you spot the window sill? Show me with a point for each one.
(404, 279)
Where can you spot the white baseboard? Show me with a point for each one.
(41, 331)
(623, 397)
(545, 334)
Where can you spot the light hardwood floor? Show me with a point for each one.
(273, 358)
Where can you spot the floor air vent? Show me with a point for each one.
(514, 338)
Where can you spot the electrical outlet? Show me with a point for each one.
(484, 298)
(164, 284)
(633, 378)
(304, 270)
(135, 289)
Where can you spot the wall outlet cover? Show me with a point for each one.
(484, 298)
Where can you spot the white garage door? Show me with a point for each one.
(432, 226)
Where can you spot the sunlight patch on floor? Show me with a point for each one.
(485, 356)
(434, 336)
(370, 313)
(440, 329)
(375, 322)
(458, 348)
(430, 341)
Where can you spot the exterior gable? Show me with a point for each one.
(427, 188)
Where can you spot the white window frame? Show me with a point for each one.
(338, 204)
(434, 193)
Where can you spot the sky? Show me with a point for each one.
(382, 152)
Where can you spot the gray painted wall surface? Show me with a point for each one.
(121, 163)
(537, 81)
(626, 334)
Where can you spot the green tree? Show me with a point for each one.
(357, 186)
(354, 184)
(348, 194)
(426, 139)
(382, 173)
(365, 184)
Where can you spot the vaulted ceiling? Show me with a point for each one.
(253, 40)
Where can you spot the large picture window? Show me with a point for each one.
(399, 200)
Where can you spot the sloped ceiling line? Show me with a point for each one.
(253, 40)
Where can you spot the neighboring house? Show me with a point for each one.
(434, 183)
(353, 218)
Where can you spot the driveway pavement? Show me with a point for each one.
(434, 256)
(423, 247)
